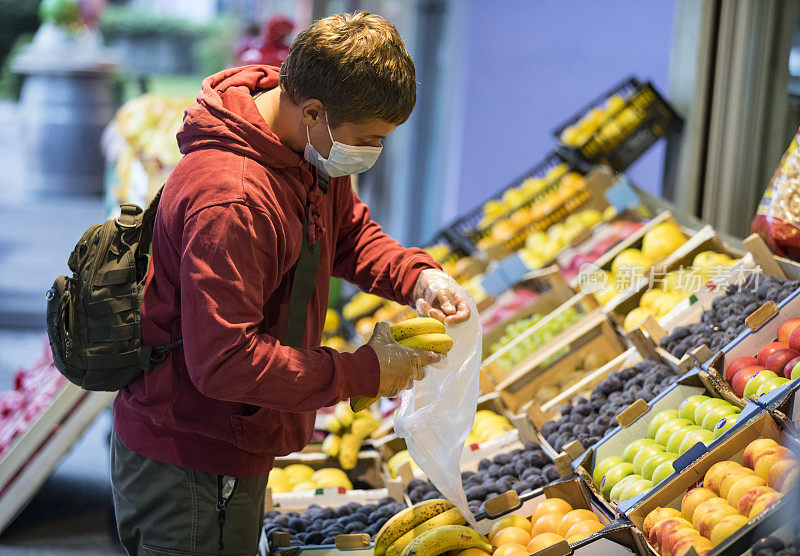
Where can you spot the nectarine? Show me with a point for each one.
(712, 517)
(749, 498)
(657, 515)
(754, 448)
(693, 498)
(727, 527)
(762, 502)
(716, 473)
(741, 486)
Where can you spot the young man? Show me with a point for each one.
(263, 183)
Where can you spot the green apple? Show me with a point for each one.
(620, 486)
(662, 472)
(615, 475)
(687, 407)
(659, 419)
(634, 489)
(770, 385)
(675, 439)
(654, 461)
(644, 454)
(756, 381)
(602, 468)
(712, 417)
(671, 426)
(795, 372)
(724, 425)
(706, 406)
(633, 448)
(700, 435)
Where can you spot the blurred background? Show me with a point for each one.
(93, 91)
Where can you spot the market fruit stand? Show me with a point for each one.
(609, 325)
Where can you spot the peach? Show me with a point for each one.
(693, 498)
(716, 474)
(790, 480)
(543, 541)
(762, 502)
(765, 462)
(729, 480)
(657, 515)
(700, 545)
(660, 529)
(778, 472)
(672, 538)
(741, 486)
(755, 448)
(583, 529)
(727, 527)
(706, 507)
(712, 517)
(749, 498)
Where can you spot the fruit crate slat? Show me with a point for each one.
(468, 226)
(593, 333)
(731, 449)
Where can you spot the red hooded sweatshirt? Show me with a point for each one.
(226, 237)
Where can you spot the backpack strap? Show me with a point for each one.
(304, 280)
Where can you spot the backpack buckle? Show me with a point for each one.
(128, 214)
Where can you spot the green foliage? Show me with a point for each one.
(59, 12)
(17, 17)
(119, 21)
(10, 82)
(214, 50)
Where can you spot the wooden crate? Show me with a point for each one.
(584, 304)
(704, 240)
(553, 292)
(367, 469)
(594, 333)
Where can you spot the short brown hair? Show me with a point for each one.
(356, 65)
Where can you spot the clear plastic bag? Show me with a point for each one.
(436, 416)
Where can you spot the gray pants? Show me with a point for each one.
(163, 509)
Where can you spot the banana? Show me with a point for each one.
(360, 403)
(406, 520)
(450, 517)
(348, 450)
(362, 427)
(344, 414)
(443, 539)
(331, 445)
(334, 424)
(439, 343)
(415, 327)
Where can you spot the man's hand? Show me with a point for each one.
(438, 295)
(400, 365)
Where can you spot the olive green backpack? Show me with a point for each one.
(94, 317)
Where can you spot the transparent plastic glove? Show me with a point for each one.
(437, 294)
(400, 365)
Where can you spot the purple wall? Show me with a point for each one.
(530, 64)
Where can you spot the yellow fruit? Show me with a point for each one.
(635, 318)
(632, 260)
(344, 413)
(415, 327)
(509, 521)
(348, 451)
(362, 427)
(331, 445)
(278, 481)
(304, 485)
(512, 535)
(666, 304)
(649, 299)
(614, 103)
(662, 240)
(333, 481)
(299, 472)
(438, 343)
(331, 321)
(605, 296)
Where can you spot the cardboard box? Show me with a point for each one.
(333, 497)
(615, 537)
(670, 494)
(704, 240)
(762, 328)
(546, 366)
(635, 427)
(552, 291)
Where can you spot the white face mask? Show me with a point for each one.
(344, 159)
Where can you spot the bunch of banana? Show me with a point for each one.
(431, 527)
(347, 430)
(487, 425)
(361, 304)
(423, 333)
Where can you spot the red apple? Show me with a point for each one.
(794, 339)
(738, 364)
(779, 359)
(767, 350)
(740, 379)
(787, 369)
(786, 329)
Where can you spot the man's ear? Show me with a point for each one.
(312, 110)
